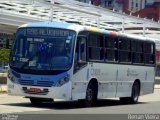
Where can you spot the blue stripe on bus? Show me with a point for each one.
(88, 74)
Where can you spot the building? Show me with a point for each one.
(143, 8)
(122, 5)
(150, 2)
(116, 5)
(137, 5)
(149, 9)
(133, 5)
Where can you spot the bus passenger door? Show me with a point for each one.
(80, 69)
(80, 54)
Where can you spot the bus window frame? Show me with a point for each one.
(78, 63)
(100, 47)
(124, 50)
(115, 49)
(118, 50)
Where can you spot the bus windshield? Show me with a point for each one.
(42, 49)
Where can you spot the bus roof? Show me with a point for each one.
(77, 28)
(71, 26)
(62, 25)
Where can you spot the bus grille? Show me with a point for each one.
(36, 83)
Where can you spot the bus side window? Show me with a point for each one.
(124, 50)
(149, 53)
(111, 49)
(82, 49)
(137, 52)
(96, 47)
(80, 54)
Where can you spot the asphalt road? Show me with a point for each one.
(149, 104)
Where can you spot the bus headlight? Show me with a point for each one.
(11, 77)
(62, 81)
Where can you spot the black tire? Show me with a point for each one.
(134, 95)
(36, 101)
(91, 95)
(135, 92)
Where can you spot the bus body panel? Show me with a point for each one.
(58, 92)
(106, 78)
(54, 92)
(128, 74)
(113, 80)
(107, 87)
(79, 83)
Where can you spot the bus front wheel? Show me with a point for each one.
(134, 95)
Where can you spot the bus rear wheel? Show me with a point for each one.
(91, 95)
(134, 95)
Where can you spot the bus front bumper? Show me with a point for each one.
(62, 92)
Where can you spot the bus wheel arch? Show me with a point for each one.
(135, 93)
(91, 93)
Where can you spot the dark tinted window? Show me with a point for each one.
(111, 49)
(124, 44)
(95, 47)
(124, 50)
(149, 53)
(148, 48)
(139, 46)
(95, 40)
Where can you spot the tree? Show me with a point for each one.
(4, 55)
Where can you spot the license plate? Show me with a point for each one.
(35, 90)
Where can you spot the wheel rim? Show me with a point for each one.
(89, 95)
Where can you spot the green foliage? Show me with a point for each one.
(4, 54)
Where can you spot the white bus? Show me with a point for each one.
(57, 60)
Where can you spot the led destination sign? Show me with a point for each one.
(47, 32)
